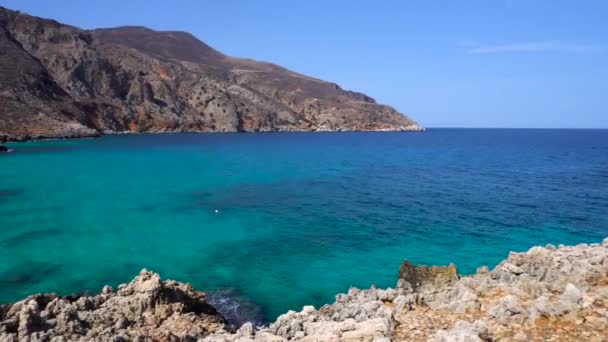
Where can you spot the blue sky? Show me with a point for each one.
(509, 63)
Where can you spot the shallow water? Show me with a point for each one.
(287, 219)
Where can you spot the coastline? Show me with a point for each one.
(5, 138)
(558, 293)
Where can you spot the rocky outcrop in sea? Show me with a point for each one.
(545, 294)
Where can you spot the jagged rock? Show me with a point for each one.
(424, 278)
(571, 298)
(107, 290)
(462, 332)
(359, 315)
(461, 299)
(246, 330)
(549, 293)
(146, 308)
(542, 306)
(507, 308)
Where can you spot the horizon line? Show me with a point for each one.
(563, 128)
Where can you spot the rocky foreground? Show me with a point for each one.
(545, 294)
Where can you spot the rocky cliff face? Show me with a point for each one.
(61, 81)
(545, 294)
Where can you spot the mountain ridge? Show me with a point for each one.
(59, 81)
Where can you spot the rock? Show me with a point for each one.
(422, 278)
(121, 323)
(403, 303)
(544, 307)
(462, 332)
(107, 290)
(308, 309)
(3, 148)
(482, 270)
(463, 300)
(506, 309)
(598, 323)
(520, 337)
(146, 307)
(388, 295)
(369, 330)
(571, 298)
(246, 330)
(264, 336)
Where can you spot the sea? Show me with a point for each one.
(269, 222)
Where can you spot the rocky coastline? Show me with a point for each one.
(59, 81)
(86, 133)
(545, 294)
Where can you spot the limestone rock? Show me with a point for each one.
(462, 332)
(146, 308)
(506, 309)
(424, 278)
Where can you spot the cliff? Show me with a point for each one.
(61, 81)
(545, 294)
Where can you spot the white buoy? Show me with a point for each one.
(216, 211)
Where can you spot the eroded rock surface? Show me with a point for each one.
(545, 294)
(145, 309)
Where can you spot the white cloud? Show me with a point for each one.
(545, 46)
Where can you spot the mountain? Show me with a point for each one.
(61, 81)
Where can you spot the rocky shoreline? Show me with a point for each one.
(89, 133)
(545, 294)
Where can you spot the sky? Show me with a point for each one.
(503, 63)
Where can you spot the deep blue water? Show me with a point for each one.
(281, 220)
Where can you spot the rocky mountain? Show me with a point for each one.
(60, 81)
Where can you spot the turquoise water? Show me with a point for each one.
(276, 221)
